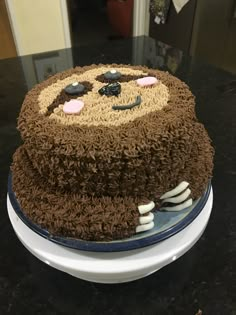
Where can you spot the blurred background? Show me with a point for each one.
(202, 28)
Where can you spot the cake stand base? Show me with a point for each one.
(114, 267)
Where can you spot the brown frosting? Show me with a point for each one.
(64, 97)
(113, 168)
(69, 214)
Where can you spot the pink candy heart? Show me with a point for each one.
(147, 81)
(73, 107)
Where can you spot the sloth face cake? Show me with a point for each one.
(104, 146)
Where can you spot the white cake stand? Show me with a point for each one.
(112, 267)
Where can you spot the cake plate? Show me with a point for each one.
(112, 267)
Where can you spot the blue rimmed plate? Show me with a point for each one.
(166, 225)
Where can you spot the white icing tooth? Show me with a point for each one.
(146, 219)
(180, 198)
(182, 186)
(182, 206)
(146, 208)
(144, 227)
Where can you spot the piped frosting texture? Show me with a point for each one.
(109, 165)
(98, 109)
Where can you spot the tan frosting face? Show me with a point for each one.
(97, 109)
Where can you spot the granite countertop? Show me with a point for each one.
(205, 277)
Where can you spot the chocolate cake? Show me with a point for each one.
(102, 149)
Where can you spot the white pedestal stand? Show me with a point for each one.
(112, 267)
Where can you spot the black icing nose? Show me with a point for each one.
(112, 89)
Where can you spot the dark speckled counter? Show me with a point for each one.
(204, 278)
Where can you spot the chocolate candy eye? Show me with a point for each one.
(75, 88)
(112, 75)
(112, 89)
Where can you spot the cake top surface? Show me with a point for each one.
(96, 127)
(98, 109)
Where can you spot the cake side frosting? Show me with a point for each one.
(111, 156)
(101, 158)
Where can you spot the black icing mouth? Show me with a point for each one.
(137, 102)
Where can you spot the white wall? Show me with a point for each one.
(39, 25)
(141, 17)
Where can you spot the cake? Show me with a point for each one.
(104, 146)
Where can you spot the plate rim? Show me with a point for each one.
(118, 245)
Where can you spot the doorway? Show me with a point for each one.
(94, 21)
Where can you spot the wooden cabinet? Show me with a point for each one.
(214, 33)
(205, 29)
(177, 31)
(7, 45)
